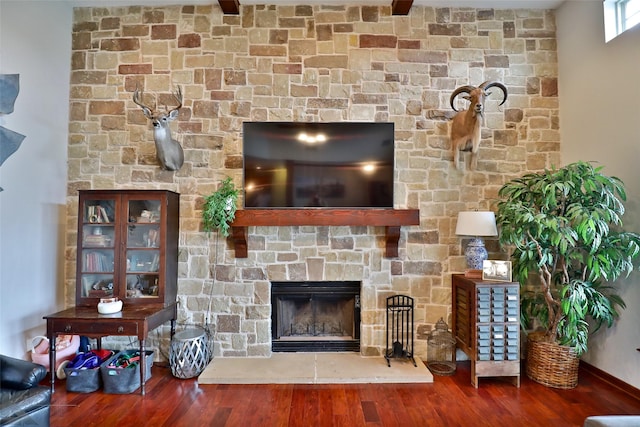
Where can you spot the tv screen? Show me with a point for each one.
(318, 165)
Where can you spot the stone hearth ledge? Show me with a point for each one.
(313, 368)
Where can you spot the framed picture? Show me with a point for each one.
(496, 270)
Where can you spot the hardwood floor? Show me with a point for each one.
(449, 401)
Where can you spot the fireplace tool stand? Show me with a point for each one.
(399, 329)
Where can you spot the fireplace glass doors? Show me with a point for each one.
(315, 316)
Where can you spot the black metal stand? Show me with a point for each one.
(399, 328)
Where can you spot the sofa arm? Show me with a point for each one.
(612, 421)
(20, 374)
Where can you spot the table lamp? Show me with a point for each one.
(476, 224)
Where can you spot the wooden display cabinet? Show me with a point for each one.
(127, 246)
(486, 326)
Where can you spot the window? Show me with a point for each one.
(619, 16)
(630, 13)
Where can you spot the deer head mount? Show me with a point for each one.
(168, 150)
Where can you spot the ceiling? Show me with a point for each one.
(493, 4)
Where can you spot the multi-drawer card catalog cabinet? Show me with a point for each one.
(486, 326)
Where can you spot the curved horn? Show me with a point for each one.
(461, 89)
(489, 84)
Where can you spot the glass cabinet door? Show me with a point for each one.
(98, 248)
(127, 246)
(143, 248)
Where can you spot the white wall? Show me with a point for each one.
(35, 42)
(599, 90)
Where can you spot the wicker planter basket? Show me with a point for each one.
(551, 364)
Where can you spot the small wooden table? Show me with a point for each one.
(132, 320)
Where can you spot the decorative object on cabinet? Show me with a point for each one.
(477, 224)
(168, 150)
(127, 246)
(486, 326)
(109, 305)
(441, 350)
(566, 231)
(496, 270)
(399, 329)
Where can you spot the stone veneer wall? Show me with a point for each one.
(302, 63)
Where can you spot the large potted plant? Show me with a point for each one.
(565, 228)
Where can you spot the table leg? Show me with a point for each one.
(143, 366)
(52, 359)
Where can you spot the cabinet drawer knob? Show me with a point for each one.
(67, 328)
(120, 329)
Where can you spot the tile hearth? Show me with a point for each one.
(313, 368)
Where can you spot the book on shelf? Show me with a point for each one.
(97, 240)
(97, 213)
(153, 239)
(103, 214)
(98, 262)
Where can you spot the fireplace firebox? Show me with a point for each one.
(315, 316)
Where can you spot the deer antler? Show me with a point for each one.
(137, 95)
(178, 97)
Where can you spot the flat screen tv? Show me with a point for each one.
(318, 165)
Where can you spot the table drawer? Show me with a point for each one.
(99, 328)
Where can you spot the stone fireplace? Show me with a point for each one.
(315, 316)
(303, 63)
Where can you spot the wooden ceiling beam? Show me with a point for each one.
(398, 7)
(230, 7)
(401, 7)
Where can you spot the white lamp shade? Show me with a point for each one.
(476, 223)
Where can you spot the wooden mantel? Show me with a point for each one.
(391, 219)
